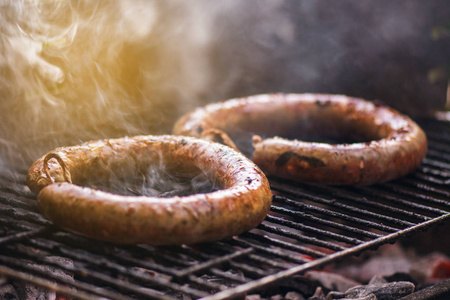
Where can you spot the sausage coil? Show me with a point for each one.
(241, 203)
(380, 143)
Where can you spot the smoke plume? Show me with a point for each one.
(72, 71)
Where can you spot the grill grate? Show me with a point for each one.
(308, 227)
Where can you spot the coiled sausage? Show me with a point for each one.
(241, 202)
(362, 142)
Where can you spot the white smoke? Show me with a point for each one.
(74, 70)
(71, 71)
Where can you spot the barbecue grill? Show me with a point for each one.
(308, 227)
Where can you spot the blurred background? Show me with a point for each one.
(72, 71)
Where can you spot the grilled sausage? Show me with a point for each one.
(362, 142)
(241, 202)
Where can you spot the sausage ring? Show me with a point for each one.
(241, 202)
(362, 142)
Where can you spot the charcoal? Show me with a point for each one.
(377, 287)
(294, 296)
(332, 281)
(7, 292)
(299, 284)
(318, 295)
(26, 291)
(368, 297)
(178, 295)
(392, 259)
(276, 297)
(438, 291)
(30, 292)
(400, 276)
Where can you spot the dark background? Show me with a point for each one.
(395, 51)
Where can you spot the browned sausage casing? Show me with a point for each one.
(241, 203)
(387, 144)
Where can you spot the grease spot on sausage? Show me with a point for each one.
(286, 156)
(199, 129)
(323, 102)
(362, 169)
(216, 137)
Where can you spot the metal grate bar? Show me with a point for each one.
(338, 204)
(273, 252)
(306, 239)
(284, 244)
(12, 238)
(180, 260)
(437, 152)
(129, 259)
(436, 163)
(16, 200)
(267, 262)
(158, 254)
(83, 257)
(308, 227)
(417, 208)
(107, 264)
(101, 262)
(425, 177)
(250, 271)
(320, 232)
(21, 265)
(213, 262)
(229, 247)
(335, 214)
(419, 184)
(437, 168)
(264, 281)
(305, 216)
(437, 149)
(348, 195)
(253, 256)
(437, 145)
(20, 214)
(64, 290)
(211, 285)
(415, 195)
(228, 276)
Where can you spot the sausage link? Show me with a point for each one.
(379, 143)
(241, 203)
